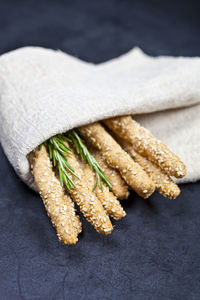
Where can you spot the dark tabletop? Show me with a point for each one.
(153, 253)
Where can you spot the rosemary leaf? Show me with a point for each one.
(85, 155)
(58, 154)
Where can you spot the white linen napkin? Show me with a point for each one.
(44, 92)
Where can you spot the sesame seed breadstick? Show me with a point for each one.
(107, 198)
(117, 158)
(87, 201)
(119, 187)
(164, 184)
(147, 145)
(59, 206)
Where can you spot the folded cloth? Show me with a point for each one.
(44, 92)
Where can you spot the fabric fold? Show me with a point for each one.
(44, 92)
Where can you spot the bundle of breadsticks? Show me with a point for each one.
(94, 166)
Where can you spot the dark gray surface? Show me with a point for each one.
(154, 253)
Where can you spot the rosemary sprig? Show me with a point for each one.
(84, 153)
(58, 151)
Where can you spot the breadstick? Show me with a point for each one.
(147, 145)
(107, 198)
(164, 184)
(119, 187)
(87, 201)
(117, 158)
(59, 206)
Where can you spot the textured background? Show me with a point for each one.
(154, 253)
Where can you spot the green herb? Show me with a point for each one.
(85, 155)
(58, 152)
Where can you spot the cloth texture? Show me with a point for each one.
(44, 92)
